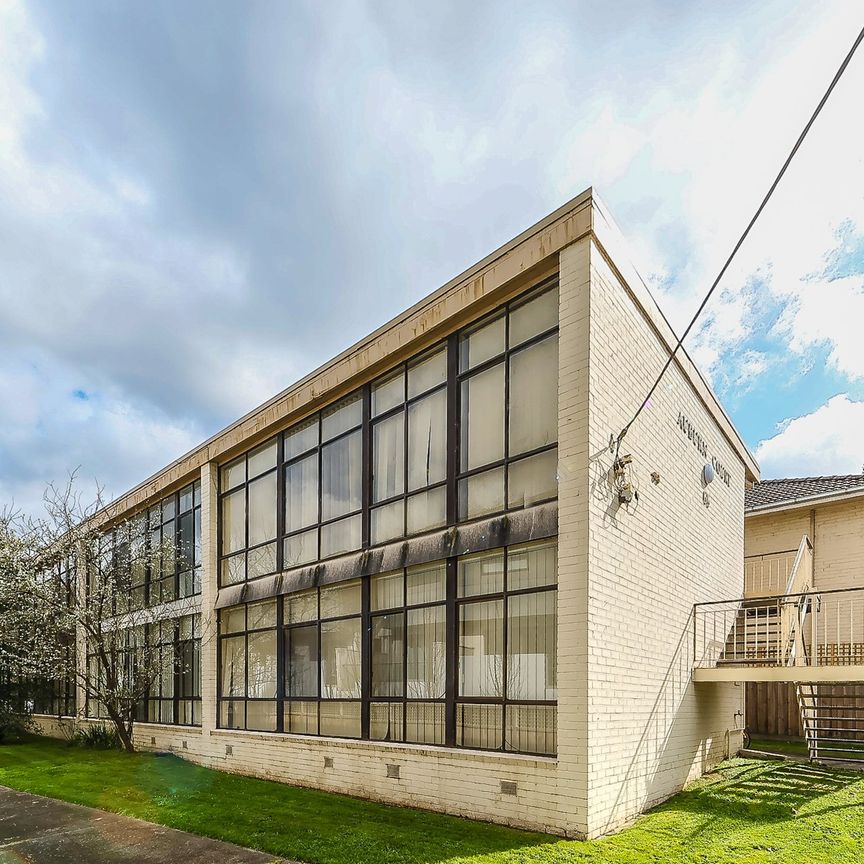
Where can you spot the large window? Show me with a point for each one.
(508, 395)
(409, 449)
(247, 662)
(459, 652)
(467, 429)
(174, 697)
(507, 660)
(248, 515)
(168, 537)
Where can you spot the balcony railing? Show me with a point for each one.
(767, 575)
(809, 628)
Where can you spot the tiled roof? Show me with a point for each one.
(768, 493)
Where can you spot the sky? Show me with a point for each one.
(202, 201)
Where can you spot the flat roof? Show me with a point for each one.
(512, 267)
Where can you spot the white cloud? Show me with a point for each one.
(830, 440)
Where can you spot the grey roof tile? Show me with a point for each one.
(767, 493)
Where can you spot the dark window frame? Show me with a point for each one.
(452, 606)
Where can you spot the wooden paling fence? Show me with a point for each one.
(772, 707)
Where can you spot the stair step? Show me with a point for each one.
(832, 719)
(820, 729)
(843, 759)
(821, 749)
(816, 739)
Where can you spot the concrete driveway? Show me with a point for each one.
(40, 830)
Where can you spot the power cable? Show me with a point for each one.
(838, 75)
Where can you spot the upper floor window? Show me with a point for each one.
(508, 389)
(465, 430)
(409, 449)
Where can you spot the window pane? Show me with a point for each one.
(426, 582)
(532, 565)
(340, 659)
(482, 422)
(479, 726)
(388, 457)
(534, 396)
(533, 479)
(234, 521)
(234, 474)
(262, 665)
(260, 615)
(301, 665)
(262, 509)
(168, 549)
(261, 561)
(234, 569)
(168, 508)
(531, 663)
(232, 715)
(387, 522)
(262, 459)
(427, 653)
(341, 536)
(186, 499)
(340, 719)
(531, 729)
(481, 494)
(186, 543)
(301, 548)
(301, 718)
(481, 649)
(341, 473)
(426, 373)
(386, 590)
(385, 721)
(261, 716)
(534, 317)
(427, 441)
(427, 510)
(481, 344)
(388, 394)
(482, 573)
(342, 599)
(341, 417)
(301, 493)
(234, 666)
(388, 641)
(302, 606)
(301, 438)
(233, 620)
(197, 536)
(424, 722)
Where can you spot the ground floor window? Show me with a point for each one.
(460, 652)
(174, 697)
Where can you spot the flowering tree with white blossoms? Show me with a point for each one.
(68, 576)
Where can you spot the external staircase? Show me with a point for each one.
(814, 639)
(832, 717)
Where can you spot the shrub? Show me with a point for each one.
(13, 723)
(97, 736)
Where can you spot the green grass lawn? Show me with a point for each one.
(796, 747)
(746, 811)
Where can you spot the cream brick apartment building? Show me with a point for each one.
(414, 575)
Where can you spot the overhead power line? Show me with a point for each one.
(837, 76)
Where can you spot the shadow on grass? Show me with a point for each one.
(762, 792)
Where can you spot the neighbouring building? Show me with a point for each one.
(420, 575)
(829, 512)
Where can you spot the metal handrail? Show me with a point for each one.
(759, 601)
